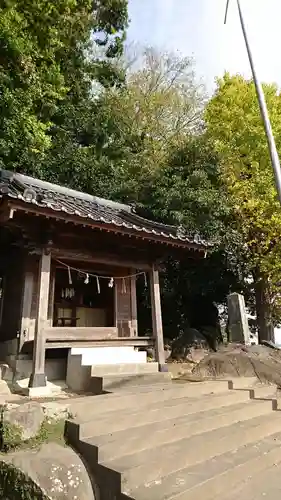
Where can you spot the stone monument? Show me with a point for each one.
(237, 319)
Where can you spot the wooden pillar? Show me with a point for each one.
(157, 319)
(51, 296)
(134, 314)
(26, 303)
(38, 378)
(123, 306)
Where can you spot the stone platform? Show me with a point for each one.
(181, 441)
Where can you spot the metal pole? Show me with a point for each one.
(263, 107)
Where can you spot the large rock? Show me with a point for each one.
(237, 360)
(182, 345)
(54, 472)
(27, 417)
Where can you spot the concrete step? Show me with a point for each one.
(160, 384)
(131, 416)
(123, 369)
(121, 382)
(117, 383)
(259, 392)
(114, 383)
(260, 484)
(244, 382)
(217, 477)
(135, 440)
(131, 399)
(143, 467)
(181, 441)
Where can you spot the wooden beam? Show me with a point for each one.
(157, 320)
(114, 342)
(6, 214)
(110, 260)
(37, 377)
(65, 333)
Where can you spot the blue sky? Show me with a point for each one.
(195, 27)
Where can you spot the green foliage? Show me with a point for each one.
(51, 430)
(188, 190)
(72, 113)
(15, 485)
(47, 61)
(235, 127)
(11, 436)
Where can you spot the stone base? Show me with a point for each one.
(37, 380)
(38, 392)
(52, 389)
(163, 368)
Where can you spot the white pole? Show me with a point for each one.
(262, 104)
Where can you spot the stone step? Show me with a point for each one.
(100, 403)
(244, 382)
(128, 438)
(118, 383)
(135, 440)
(131, 416)
(146, 388)
(265, 487)
(111, 402)
(121, 382)
(260, 484)
(257, 390)
(94, 405)
(260, 392)
(123, 369)
(142, 467)
(216, 477)
(146, 429)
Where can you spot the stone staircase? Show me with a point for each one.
(181, 441)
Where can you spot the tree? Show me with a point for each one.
(73, 115)
(161, 103)
(47, 60)
(235, 126)
(188, 191)
(113, 142)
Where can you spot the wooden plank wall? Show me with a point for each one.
(12, 296)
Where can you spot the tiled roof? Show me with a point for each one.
(85, 206)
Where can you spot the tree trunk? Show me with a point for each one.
(263, 309)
